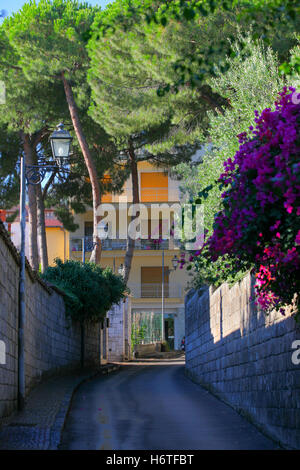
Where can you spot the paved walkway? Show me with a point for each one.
(152, 405)
(39, 425)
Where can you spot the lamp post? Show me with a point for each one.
(34, 174)
(175, 262)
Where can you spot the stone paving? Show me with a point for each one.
(40, 424)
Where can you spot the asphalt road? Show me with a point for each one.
(153, 406)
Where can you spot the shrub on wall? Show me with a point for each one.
(259, 224)
(90, 291)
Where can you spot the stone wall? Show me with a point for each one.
(52, 343)
(245, 357)
(118, 332)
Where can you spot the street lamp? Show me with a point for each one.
(175, 262)
(60, 144)
(34, 174)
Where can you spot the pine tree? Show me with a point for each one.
(50, 38)
(30, 110)
(125, 103)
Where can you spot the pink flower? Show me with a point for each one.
(261, 192)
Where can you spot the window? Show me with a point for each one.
(154, 187)
(151, 281)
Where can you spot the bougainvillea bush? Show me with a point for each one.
(259, 224)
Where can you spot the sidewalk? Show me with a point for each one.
(40, 424)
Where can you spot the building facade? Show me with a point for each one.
(149, 295)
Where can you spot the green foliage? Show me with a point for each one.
(138, 334)
(128, 67)
(138, 49)
(274, 21)
(215, 273)
(10, 148)
(90, 291)
(249, 84)
(32, 107)
(37, 44)
(291, 69)
(50, 37)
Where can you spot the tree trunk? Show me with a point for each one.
(32, 207)
(136, 200)
(41, 229)
(96, 253)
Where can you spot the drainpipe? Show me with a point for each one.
(22, 306)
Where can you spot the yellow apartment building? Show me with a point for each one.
(145, 280)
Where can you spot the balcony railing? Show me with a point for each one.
(152, 244)
(117, 244)
(154, 290)
(76, 244)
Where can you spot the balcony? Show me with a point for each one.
(76, 244)
(154, 290)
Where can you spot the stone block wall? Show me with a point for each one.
(245, 357)
(52, 342)
(118, 336)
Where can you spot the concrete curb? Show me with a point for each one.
(61, 417)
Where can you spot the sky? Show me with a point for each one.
(12, 6)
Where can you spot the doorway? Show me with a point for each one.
(169, 331)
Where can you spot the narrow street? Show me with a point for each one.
(152, 405)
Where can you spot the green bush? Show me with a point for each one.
(89, 290)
